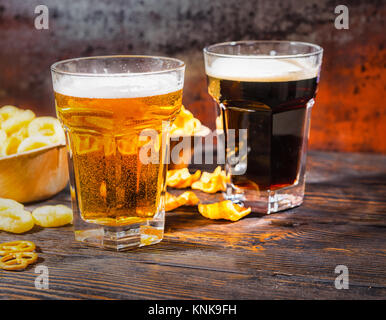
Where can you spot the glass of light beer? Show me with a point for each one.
(116, 112)
(265, 91)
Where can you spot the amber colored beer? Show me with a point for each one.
(114, 187)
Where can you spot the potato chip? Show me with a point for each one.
(171, 202)
(32, 143)
(212, 182)
(16, 220)
(48, 127)
(52, 216)
(15, 123)
(223, 210)
(187, 198)
(181, 178)
(185, 124)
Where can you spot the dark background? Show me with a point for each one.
(349, 114)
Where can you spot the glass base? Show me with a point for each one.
(268, 201)
(124, 237)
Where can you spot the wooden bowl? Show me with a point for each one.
(34, 175)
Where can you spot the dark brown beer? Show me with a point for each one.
(274, 111)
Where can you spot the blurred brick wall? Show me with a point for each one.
(349, 114)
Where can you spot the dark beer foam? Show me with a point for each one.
(261, 69)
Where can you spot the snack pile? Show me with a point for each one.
(185, 124)
(14, 219)
(21, 131)
(205, 182)
(17, 255)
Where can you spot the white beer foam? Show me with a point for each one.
(117, 87)
(259, 70)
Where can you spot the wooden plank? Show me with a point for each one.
(291, 254)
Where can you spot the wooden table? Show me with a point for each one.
(288, 255)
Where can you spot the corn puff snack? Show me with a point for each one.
(52, 216)
(21, 131)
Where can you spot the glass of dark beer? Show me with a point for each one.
(265, 91)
